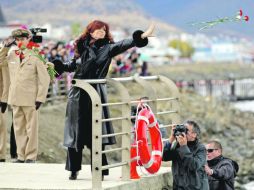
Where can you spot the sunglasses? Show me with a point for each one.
(210, 150)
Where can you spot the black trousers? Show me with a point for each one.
(13, 146)
(74, 160)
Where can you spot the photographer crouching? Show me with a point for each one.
(188, 157)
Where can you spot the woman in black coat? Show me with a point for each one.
(96, 48)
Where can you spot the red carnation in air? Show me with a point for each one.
(241, 12)
(246, 18)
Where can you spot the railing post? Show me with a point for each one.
(96, 132)
(125, 125)
(148, 89)
(175, 93)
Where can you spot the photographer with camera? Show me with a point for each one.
(188, 157)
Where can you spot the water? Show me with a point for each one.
(244, 105)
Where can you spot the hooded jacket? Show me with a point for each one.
(223, 175)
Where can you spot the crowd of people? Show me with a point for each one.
(128, 63)
(24, 83)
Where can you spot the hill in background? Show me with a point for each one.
(126, 14)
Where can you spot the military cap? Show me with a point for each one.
(21, 33)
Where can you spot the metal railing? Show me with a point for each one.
(125, 106)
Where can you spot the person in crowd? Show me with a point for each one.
(29, 82)
(221, 171)
(53, 54)
(144, 69)
(96, 48)
(188, 157)
(4, 91)
(6, 44)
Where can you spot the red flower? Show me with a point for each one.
(17, 52)
(20, 44)
(30, 45)
(241, 12)
(42, 52)
(246, 18)
(22, 56)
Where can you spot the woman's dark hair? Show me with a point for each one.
(91, 27)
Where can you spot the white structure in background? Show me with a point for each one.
(119, 34)
(157, 52)
(221, 49)
(5, 31)
(54, 33)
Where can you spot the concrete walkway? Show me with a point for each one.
(54, 176)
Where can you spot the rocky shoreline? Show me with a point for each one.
(232, 127)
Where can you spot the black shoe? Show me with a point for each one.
(19, 161)
(14, 156)
(2, 160)
(73, 175)
(29, 161)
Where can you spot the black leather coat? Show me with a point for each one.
(95, 62)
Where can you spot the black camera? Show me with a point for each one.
(37, 38)
(180, 129)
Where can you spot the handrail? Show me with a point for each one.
(115, 134)
(114, 150)
(114, 165)
(125, 118)
(114, 119)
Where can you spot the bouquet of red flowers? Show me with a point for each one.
(34, 47)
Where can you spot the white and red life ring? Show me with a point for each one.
(150, 161)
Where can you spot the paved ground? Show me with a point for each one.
(54, 176)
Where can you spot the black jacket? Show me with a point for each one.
(223, 174)
(187, 166)
(95, 62)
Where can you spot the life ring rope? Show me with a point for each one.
(154, 162)
(152, 124)
(149, 163)
(156, 152)
(140, 117)
(135, 158)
